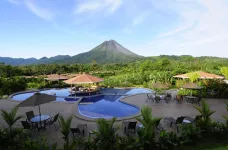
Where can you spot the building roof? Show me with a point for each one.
(202, 75)
(56, 77)
(84, 79)
(191, 86)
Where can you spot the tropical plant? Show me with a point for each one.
(193, 76)
(206, 112)
(41, 144)
(10, 117)
(147, 133)
(226, 117)
(190, 133)
(224, 71)
(11, 137)
(105, 134)
(168, 140)
(65, 125)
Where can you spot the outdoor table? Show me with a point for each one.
(190, 98)
(40, 119)
(162, 98)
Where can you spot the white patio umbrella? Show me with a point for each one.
(37, 99)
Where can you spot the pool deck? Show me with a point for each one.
(66, 109)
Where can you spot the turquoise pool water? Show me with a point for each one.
(105, 105)
(108, 106)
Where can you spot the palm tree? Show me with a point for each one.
(147, 133)
(65, 125)
(10, 117)
(226, 117)
(105, 134)
(206, 112)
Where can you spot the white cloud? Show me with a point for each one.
(200, 32)
(176, 31)
(140, 18)
(13, 2)
(38, 11)
(99, 5)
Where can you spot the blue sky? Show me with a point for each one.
(37, 28)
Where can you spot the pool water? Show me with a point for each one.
(105, 107)
(61, 95)
(108, 106)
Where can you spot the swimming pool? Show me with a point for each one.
(61, 95)
(105, 105)
(65, 95)
(108, 106)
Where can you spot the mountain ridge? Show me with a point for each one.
(107, 52)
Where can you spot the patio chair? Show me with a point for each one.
(150, 97)
(198, 100)
(30, 115)
(75, 131)
(179, 98)
(159, 126)
(168, 96)
(129, 127)
(177, 121)
(27, 125)
(53, 121)
(157, 99)
(79, 129)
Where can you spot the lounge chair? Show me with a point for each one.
(177, 121)
(53, 121)
(30, 115)
(129, 127)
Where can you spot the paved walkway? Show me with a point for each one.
(158, 109)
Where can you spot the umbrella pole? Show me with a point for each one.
(75, 90)
(39, 111)
(39, 114)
